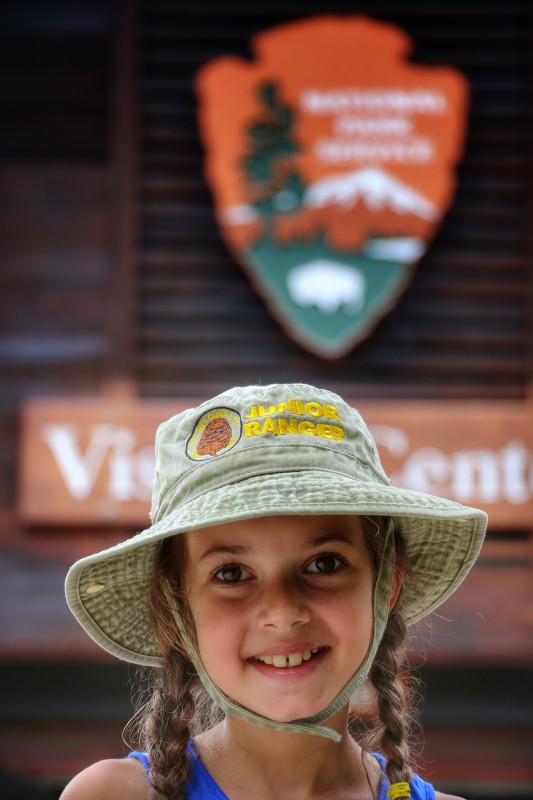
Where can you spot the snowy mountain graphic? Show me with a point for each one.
(374, 187)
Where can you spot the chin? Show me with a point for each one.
(291, 713)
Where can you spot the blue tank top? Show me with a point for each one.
(201, 785)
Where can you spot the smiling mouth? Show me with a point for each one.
(293, 660)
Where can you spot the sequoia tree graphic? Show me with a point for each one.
(274, 184)
(215, 437)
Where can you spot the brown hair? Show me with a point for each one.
(179, 706)
(390, 676)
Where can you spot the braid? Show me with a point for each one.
(178, 705)
(168, 726)
(389, 674)
(391, 681)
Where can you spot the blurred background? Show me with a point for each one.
(115, 285)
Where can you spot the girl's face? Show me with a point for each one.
(282, 608)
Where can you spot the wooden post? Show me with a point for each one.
(119, 369)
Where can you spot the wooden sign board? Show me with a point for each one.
(90, 461)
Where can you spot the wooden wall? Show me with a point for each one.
(114, 281)
(462, 327)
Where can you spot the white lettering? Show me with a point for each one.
(144, 466)
(129, 474)
(427, 470)
(339, 151)
(393, 439)
(372, 126)
(475, 473)
(335, 101)
(121, 484)
(79, 471)
(514, 465)
(469, 476)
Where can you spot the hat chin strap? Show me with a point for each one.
(310, 725)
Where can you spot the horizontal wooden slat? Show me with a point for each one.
(463, 265)
(472, 760)
(211, 382)
(55, 752)
(477, 617)
(474, 754)
(59, 91)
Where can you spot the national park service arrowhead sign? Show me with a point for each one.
(331, 160)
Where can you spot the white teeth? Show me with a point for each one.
(293, 660)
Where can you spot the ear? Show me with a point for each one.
(396, 586)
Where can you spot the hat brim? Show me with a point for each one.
(108, 592)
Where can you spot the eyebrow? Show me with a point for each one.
(309, 544)
(225, 549)
(320, 541)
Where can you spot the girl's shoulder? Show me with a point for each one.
(420, 789)
(112, 779)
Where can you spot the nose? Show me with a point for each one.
(282, 606)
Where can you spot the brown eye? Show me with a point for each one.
(231, 573)
(325, 563)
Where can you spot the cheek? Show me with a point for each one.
(356, 619)
(218, 632)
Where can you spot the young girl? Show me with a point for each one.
(279, 574)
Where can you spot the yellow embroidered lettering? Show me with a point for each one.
(314, 409)
(307, 427)
(330, 412)
(324, 431)
(289, 406)
(299, 407)
(252, 428)
(287, 425)
(269, 426)
(329, 431)
(261, 411)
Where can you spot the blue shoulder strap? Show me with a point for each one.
(201, 785)
(143, 758)
(420, 790)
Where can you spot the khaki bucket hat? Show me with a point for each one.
(257, 451)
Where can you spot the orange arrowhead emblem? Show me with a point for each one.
(331, 159)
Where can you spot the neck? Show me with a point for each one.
(245, 759)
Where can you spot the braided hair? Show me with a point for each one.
(179, 706)
(390, 676)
